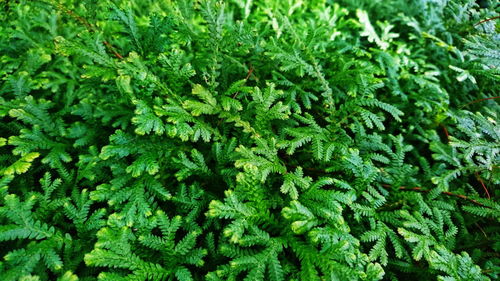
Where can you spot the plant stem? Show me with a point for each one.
(420, 189)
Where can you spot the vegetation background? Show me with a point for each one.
(249, 140)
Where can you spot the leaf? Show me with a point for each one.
(146, 120)
(123, 84)
(369, 31)
(22, 165)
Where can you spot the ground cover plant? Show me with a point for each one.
(249, 140)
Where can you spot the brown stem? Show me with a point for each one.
(82, 20)
(483, 185)
(420, 189)
(90, 28)
(480, 228)
(486, 20)
(446, 132)
(112, 49)
(479, 100)
(250, 71)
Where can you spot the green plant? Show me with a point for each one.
(249, 140)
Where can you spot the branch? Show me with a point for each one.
(420, 189)
(112, 49)
(486, 20)
(250, 71)
(445, 132)
(479, 100)
(483, 185)
(90, 28)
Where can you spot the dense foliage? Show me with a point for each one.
(249, 140)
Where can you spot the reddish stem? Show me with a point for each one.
(420, 189)
(483, 185)
(112, 49)
(250, 71)
(89, 27)
(486, 20)
(479, 100)
(480, 228)
(446, 132)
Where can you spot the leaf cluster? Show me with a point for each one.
(249, 140)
